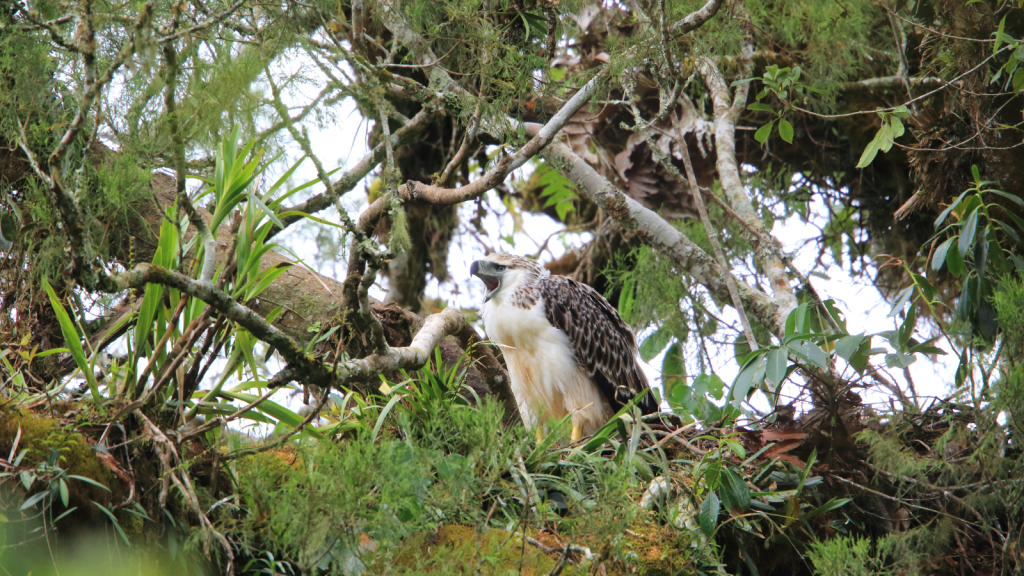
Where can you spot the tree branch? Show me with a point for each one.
(419, 192)
(696, 19)
(769, 255)
(656, 231)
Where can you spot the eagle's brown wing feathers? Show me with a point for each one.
(602, 343)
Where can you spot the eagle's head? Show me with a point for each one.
(502, 273)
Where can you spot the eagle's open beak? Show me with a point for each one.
(484, 270)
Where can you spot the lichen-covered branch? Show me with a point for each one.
(657, 232)
(435, 328)
(697, 18)
(440, 196)
(178, 153)
(727, 110)
(349, 179)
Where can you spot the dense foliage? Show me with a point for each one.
(182, 388)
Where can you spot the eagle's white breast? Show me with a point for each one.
(546, 380)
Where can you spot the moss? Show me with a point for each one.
(452, 549)
(41, 436)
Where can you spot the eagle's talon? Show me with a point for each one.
(577, 432)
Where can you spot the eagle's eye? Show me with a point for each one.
(501, 268)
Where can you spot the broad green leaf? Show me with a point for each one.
(955, 262)
(786, 130)
(940, 254)
(655, 343)
(763, 132)
(899, 360)
(708, 518)
(760, 107)
(871, 150)
(896, 128)
(750, 377)
(810, 353)
(735, 492)
(32, 500)
(847, 346)
(967, 233)
(673, 365)
(797, 321)
(778, 361)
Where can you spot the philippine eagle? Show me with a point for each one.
(566, 348)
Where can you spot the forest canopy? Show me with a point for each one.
(185, 384)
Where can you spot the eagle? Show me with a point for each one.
(566, 348)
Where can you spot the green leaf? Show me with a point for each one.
(955, 262)
(962, 369)
(810, 353)
(786, 130)
(829, 506)
(113, 519)
(708, 517)
(901, 300)
(626, 301)
(673, 364)
(940, 254)
(73, 341)
(88, 481)
(8, 226)
(750, 376)
(899, 360)
(871, 150)
(274, 410)
(999, 36)
(778, 361)
(1012, 197)
(759, 107)
(764, 132)
(266, 210)
(847, 346)
(64, 492)
(735, 492)
(896, 128)
(563, 209)
(907, 328)
(797, 322)
(945, 213)
(967, 234)
(655, 343)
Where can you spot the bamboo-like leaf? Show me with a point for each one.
(113, 519)
(73, 341)
(274, 410)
